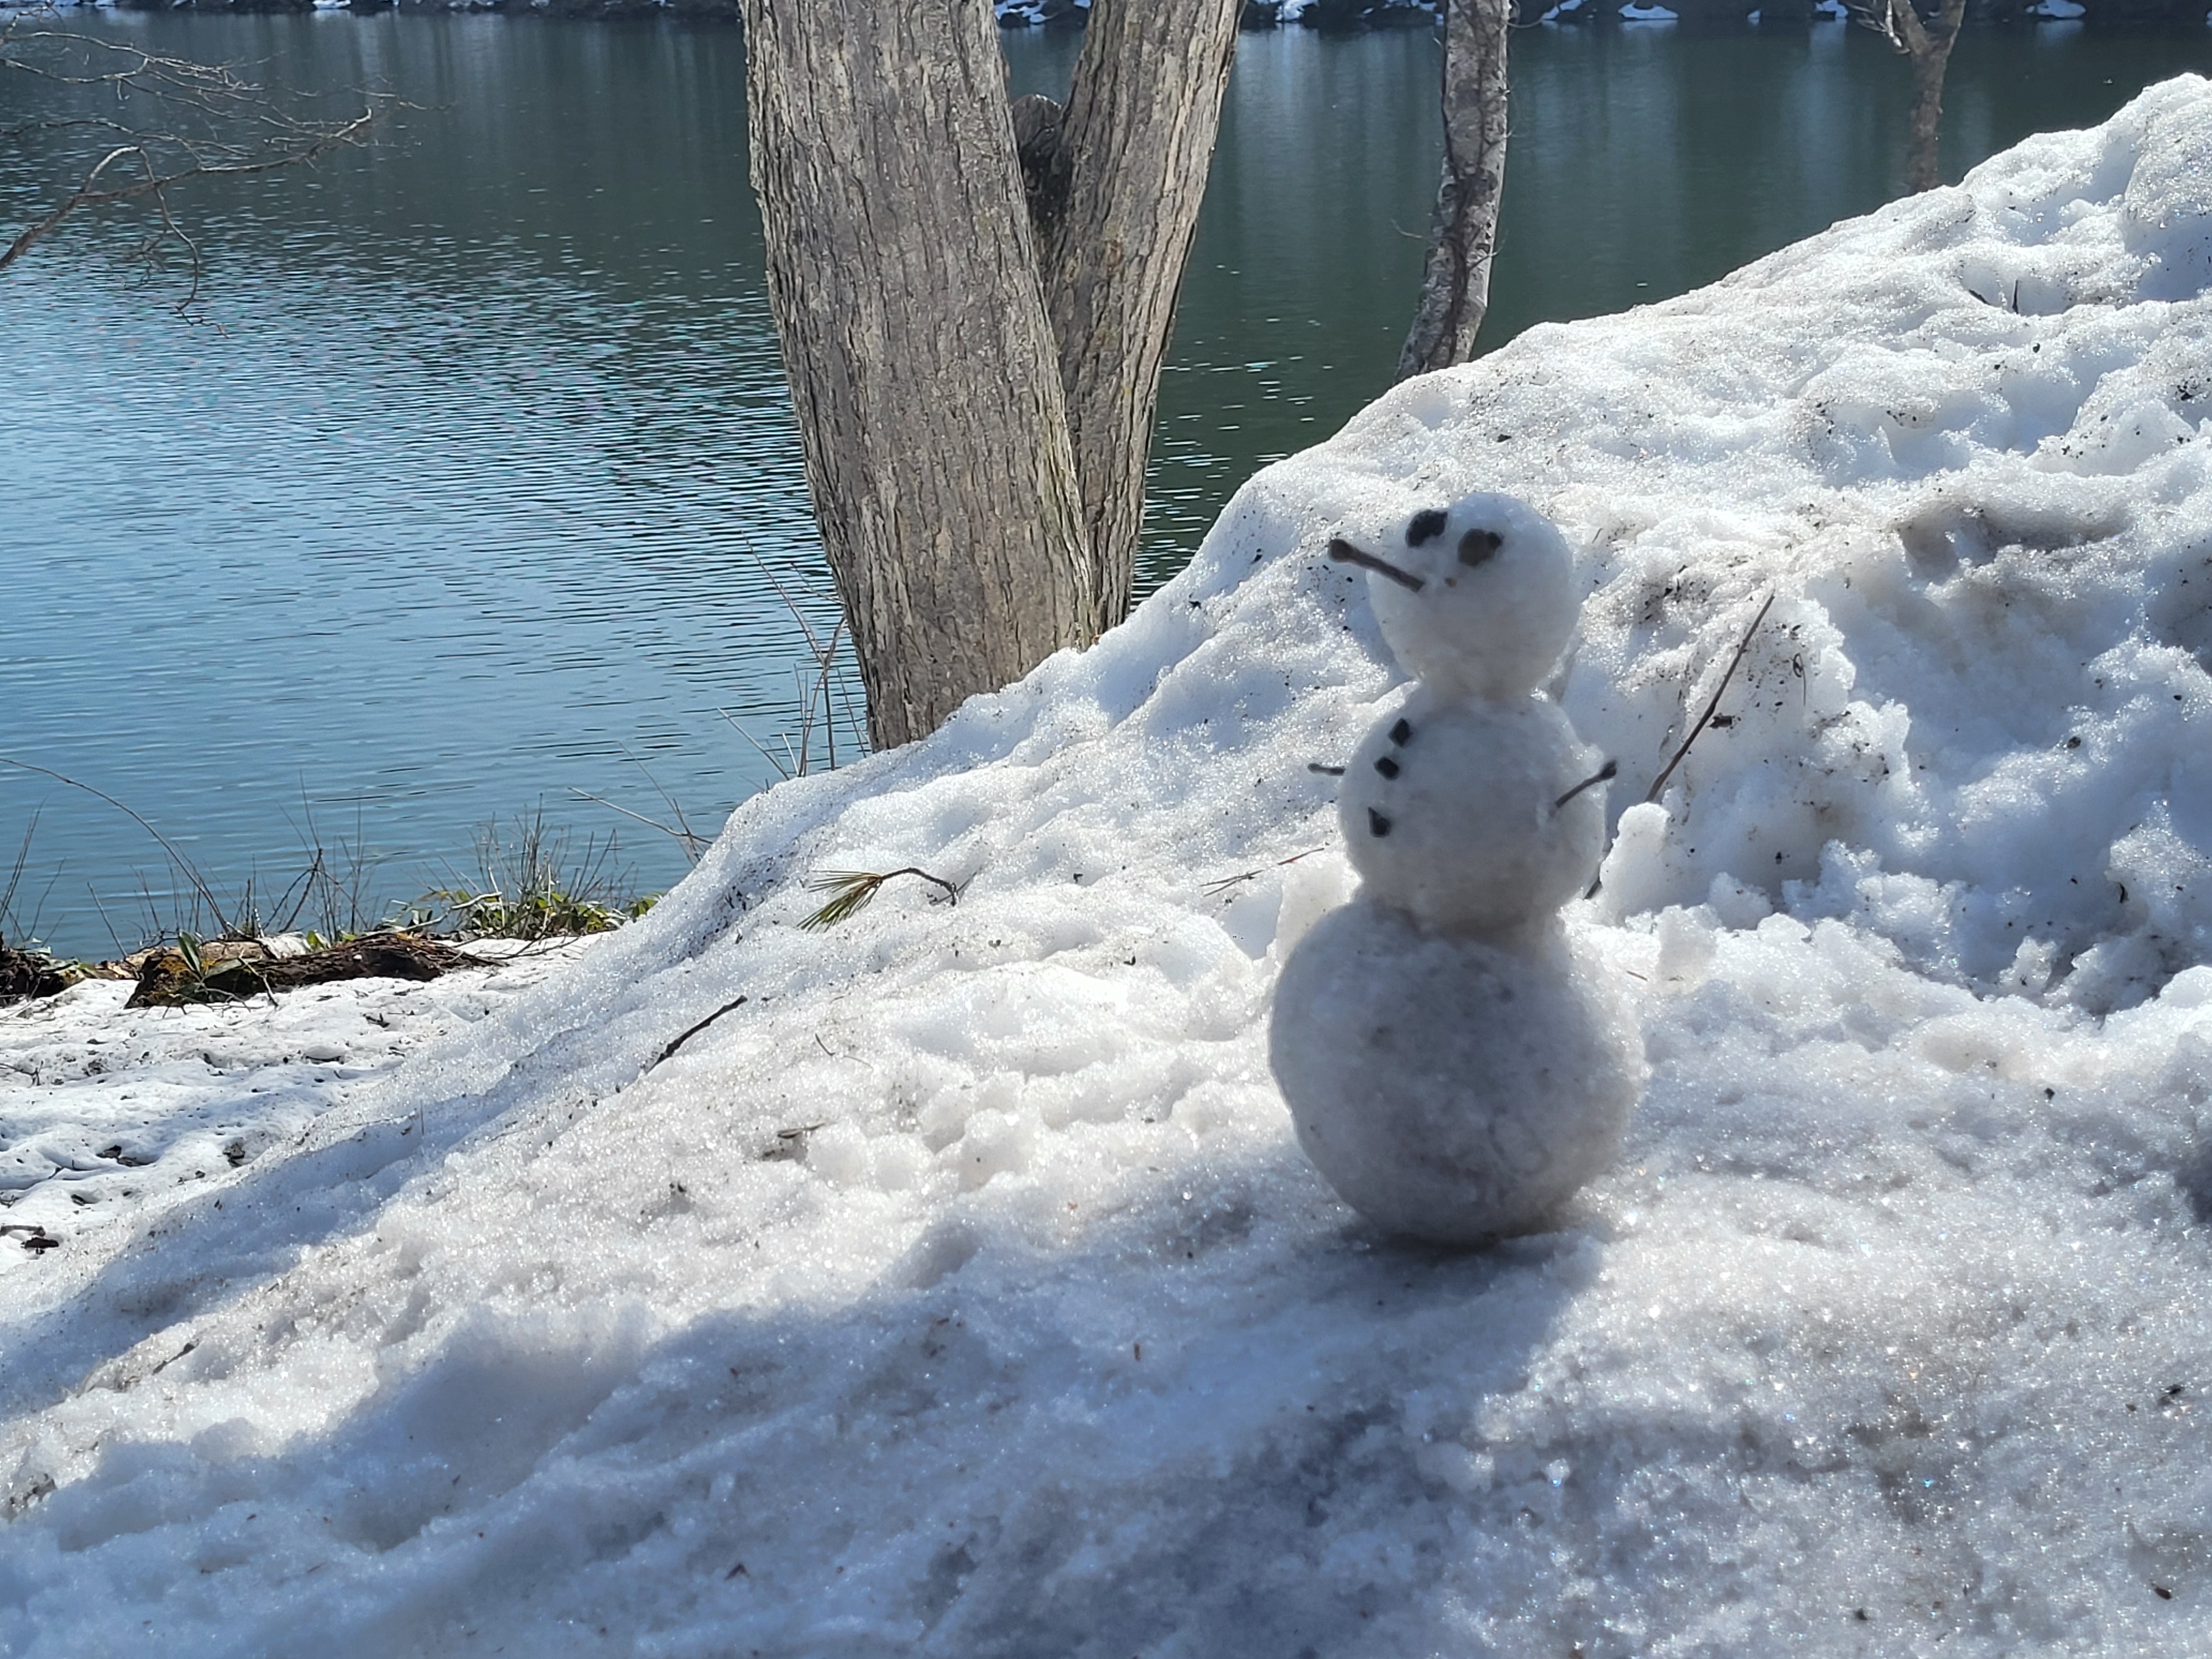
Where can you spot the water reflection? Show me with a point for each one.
(460, 496)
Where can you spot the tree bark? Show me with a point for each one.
(1923, 164)
(1928, 44)
(904, 276)
(1456, 284)
(1116, 211)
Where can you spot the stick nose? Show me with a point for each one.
(1345, 553)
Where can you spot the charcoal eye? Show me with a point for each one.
(1425, 526)
(1478, 544)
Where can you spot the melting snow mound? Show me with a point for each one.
(962, 1290)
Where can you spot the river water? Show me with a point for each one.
(471, 487)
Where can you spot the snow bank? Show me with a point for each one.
(962, 1291)
(105, 1109)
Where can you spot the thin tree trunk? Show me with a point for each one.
(1923, 165)
(1928, 46)
(1116, 219)
(1456, 285)
(904, 276)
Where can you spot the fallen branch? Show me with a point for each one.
(1712, 707)
(29, 975)
(1703, 721)
(236, 970)
(686, 1036)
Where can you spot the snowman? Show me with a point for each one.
(1451, 1067)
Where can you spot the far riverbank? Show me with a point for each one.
(1323, 16)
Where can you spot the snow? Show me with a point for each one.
(2058, 9)
(963, 1291)
(1634, 13)
(106, 1107)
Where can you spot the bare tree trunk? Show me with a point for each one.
(1928, 46)
(1924, 165)
(1456, 285)
(904, 276)
(1115, 215)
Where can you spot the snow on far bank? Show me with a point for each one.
(962, 1291)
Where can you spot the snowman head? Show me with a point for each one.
(1476, 599)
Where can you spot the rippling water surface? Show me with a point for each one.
(465, 490)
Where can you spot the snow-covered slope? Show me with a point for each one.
(962, 1290)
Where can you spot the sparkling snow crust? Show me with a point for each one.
(963, 1291)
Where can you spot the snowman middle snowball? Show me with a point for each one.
(1468, 815)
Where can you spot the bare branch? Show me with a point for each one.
(156, 184)
(210, 124)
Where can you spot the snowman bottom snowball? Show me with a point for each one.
(1450, 1089)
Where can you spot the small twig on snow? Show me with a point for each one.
(1210, 889)
(727, 1007)
(1712, 707)
(1703, 721)
(851, 890)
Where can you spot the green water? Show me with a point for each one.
(463, 491)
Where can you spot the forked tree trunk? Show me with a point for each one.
(977, 473)
(1456, 284)
(1115, 221)
(904, 283)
